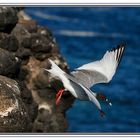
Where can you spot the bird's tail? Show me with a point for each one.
(54, 70)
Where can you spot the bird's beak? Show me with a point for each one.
(101, 96)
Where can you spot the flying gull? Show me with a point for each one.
(79, 82)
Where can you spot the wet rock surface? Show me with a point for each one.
(24, 52)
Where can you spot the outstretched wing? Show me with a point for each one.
(100, 71)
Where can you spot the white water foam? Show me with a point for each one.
(75, 33)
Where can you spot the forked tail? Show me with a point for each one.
(55, 70)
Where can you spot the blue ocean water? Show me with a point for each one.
(83, 35)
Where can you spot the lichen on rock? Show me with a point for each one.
(13, 113)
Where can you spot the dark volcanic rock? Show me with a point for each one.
(49, 122)
(13, 112)
(20, 32)
(40, 44)
(26, 97)
(30, 25)
(24, 54)
(45, 31)
(8, 42)
(9, 64)
(8, 19)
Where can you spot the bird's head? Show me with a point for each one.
(102, 97)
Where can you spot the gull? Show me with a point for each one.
(79, 81)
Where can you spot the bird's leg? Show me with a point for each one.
(102, 97)
(59, 95)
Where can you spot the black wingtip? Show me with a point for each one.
(120, 53)
(120, 50)
(122, 44)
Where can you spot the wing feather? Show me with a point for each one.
(100, 71)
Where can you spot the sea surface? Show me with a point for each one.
(83, 35)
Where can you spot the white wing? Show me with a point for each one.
(100, 71)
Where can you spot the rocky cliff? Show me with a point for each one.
(27, 92)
